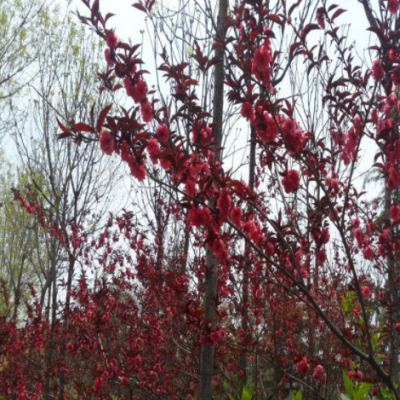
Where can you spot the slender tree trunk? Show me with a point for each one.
(207, 352)
(71, 270)
(52, 304)
(185, 253)
(245, 282)
(394, 298)
(394, 281)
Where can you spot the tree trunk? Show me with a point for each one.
(207, 352)
(245, 282)
(393, 297)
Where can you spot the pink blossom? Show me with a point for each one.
(139, 91)
(190, 187)
(111, 39)
(291, 181)
(147, 112)
(396, 76)
(378, 72)
(321, 257)
(366, 291)
(368, 253)
(393, 6)
(394, 178)
(224, 204)
(107, 142)
(153, 149)
(247, 111)
(319, 370)
(394, 212)
(137, 170)
(236, 215)
(199, 216)
(162, 133)
(129, 87)
(302, 366)
(107, 55)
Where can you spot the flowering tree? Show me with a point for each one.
(295, 271)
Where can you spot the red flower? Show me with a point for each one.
(236, 216)
(224, 204)
(153, 149)
(368, 253)
(124, 380)
(262, 57)
(302, 366)
(218, 247)
(393, 6)
(393, 56)
(271, 130)
(396, 76)
(293, 135)
(107, 142)
(139, 91)
(321, 257)
(395, 212)
(247, 111)
(107, 55)
(397, 327)
(378, 72)
(137, 170)
(199, 216)
(111, 39)
(319, 370)
(147, 112)
(162, 133)
(190, 187)
(366, 291)
(394, 178)
(129, 87)
(291, 181)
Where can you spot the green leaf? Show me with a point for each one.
(348, 384)
(247, 392)
(365, 387)
(299, 395)
(345, 305)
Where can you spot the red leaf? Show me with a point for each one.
(308, 28)
(292, 8)
(379, 165)
(63, 128)
(102, 117)
(337, 13)
(274, 18)
(80, 126)
(293, 47)
(378, 32)
(108, 16)
(64, 135)
(140, 7)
